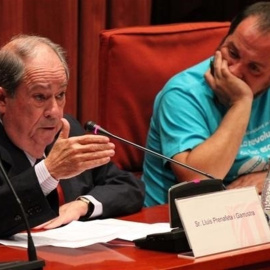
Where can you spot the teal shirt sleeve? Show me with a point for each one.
(181, 121)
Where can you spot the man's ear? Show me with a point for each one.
(3, 95)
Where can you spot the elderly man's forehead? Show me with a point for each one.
(25, 47)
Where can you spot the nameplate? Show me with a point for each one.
(223, 221)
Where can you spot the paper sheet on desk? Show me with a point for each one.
(79, 234)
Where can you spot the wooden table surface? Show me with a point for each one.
(119, 255)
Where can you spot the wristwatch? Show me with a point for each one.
(91, 207)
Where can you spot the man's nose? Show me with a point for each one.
(53, 108)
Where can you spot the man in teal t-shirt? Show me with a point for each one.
(217, 122)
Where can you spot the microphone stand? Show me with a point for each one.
(33, 263)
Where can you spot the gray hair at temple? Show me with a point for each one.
(13, 54)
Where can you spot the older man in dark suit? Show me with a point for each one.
(33, 83)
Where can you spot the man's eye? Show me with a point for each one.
(254, 68)
(39, 97)
(233, 54)
(61, 95)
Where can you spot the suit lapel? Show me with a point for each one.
(15, 157)
(15, 162)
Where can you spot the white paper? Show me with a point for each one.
(79, 234)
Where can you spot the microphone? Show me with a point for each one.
(174, 241)
(33, 263)
(96, 129)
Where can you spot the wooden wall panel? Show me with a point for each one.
(55, 19)
(122, 13)
(11, 19)
(92, 20)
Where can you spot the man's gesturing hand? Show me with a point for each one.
(71, 156)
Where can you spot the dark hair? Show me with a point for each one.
(261, 10)
(12, 57)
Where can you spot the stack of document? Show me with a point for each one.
(79, 234)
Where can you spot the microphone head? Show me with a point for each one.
(90, 126)
(96, 129)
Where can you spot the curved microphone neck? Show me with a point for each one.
(96, 129)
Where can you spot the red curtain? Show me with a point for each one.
(75, 25)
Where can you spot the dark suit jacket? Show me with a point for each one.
(119, 192)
